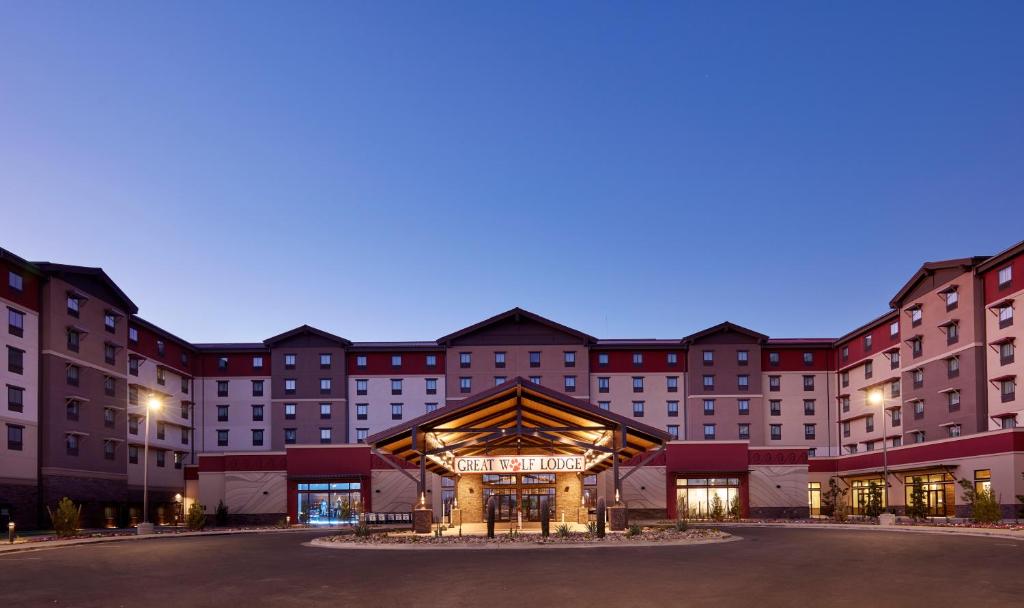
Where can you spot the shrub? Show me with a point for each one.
(985, 508)
(195, 518)
(833, 501)
(362, 530)
(592, 528)
(635, 530)
(65, 519)
(873, 508)
(918, 507)
(563, 531)
(221, 515)
(682, 525)
(734, 506)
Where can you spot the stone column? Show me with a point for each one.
(568, 490)
(617, 517)
(470, 491)
(422, 520)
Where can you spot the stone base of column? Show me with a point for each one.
(584, 515)
(422, 520)
(456, 517)
(145, 528)
(887, 519)
(617, 518)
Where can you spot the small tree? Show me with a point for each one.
(985, 508)
(734, 506)
(220, 517)
(833, 502)
(918, 507)
(717, 508)
(195, 518)
(346, 511)
(65, 519)
(873, 508)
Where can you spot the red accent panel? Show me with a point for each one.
(29, 294)
(329, 461)
(621, 361)
(778, 456)
(792, 359)
(990, 279)
(191, 472)
(711, 457)
(146, 346)
(379, 364)
(239, 364)
(216, 463)
(880, 340)
(974, 445)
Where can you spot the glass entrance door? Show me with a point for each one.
(530, 500)
(513, 493)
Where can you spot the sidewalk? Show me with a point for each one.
(962, 531)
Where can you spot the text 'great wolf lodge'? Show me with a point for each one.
(310, 425)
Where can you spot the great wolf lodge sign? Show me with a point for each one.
(519, 464)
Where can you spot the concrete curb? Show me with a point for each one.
(975, 532)
(58, 544)
(319, 543)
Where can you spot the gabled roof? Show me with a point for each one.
(230, 346)
(515, 314)
(306, 330)
(1001, 257)
(929, 268)
(161, 331)
(722, 327)
(873, 323)
(66, 270)
(19, 262)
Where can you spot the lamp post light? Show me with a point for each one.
(876, 398)
(152, 406)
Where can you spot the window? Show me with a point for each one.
(603, 384)
(222, 363)
(257, 437)
(918, 376)
(161, 348)
(919, 437)
(709, 357)
(709, 431)
(184, 435)
(845, 402)
(868, 339)
(74, 339)
(952, 298)
(1005, 276)
(222, 388)
(709, 407)
(808, 407)
(15, 322)
(743, 407)
(257, 388)
(431, 360)
(744, 431)
(844, 379)
(672, 408)
(811, 453)
(361, 435)
(362, 411)
(133, 334)
(638, 409)
(535, 379)
(133, 454)
(673, 431)
(953, 367)
(809, 431)
(896, 417)
(808, 359)
(290, 436)
(743, 382)
(534, 358)
(808, 383)
(15, 398)
(638, 359)
(1006, 353)
(361, 387)
(325, 411)
(845, 353)
(894, 360)
(15, 360)
(325, 386)
(396, 386)
(161, 430)
(570, 358)
(109, 386)
(222, 437)
(133, 366)
(72, 375)
(257, 413)
(133, 425)
(952, 333)
(109, 417)
(774, 383)
(431, 386)
(894, 388)
(773, 359)
(846, 429)
(602, 359)
(570, 384)
(108, 450)
(72, 409)
(465, 360)
(869, 423)
(71, 445)
(775, 407)
(257, 362)
(918, 409)
(776, 432)
(289, 361)
(894, 329)
(396, 411)
(638, 384)
(289, 411)
(74, 305)
(184, 384)
(1008, 389)
(709, 383)
(15, 281)
(915, 316)
(325, 360)
(465, 384)
(604, 405)
(500, 380)
(953, 400)
(499, 359)
(325, 435)
(431, 407)
(869, 369)
(672, 358)
(396, 361)
(672, 384)
(1009, 422)
(361, 361)
(109, 355)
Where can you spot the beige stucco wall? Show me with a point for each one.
(392, 491)
(778, 486)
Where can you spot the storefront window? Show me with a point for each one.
(329, 503)
(590, 491)
(937, 492)
(983, 481)
(707, 498)
(814, 498)
(860, 494)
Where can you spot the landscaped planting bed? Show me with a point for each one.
(645, 534)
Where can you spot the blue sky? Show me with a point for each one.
(390, 170)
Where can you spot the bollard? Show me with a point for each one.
(600, 517)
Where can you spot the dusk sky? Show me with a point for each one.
(396, 171)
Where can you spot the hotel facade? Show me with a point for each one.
(312, 426)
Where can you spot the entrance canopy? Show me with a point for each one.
(518, 418)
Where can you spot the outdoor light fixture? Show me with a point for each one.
(10, 532)
(153, 404)
(877, 399)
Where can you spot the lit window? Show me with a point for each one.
(396, 386)
(362, 411)
(325, 435)
(672, 407)
(325, 411)
(894, 328)
(396, 361)
(744, 431)
(638, 358)
(396, 411)
(709, 407)
(743, 407)
(431, 360)
(257, 362)
(709, 431)
(289, 361)
(325, 360)
(465, 360)
(361, 361)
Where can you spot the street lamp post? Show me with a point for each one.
(153, 405)
(877, 398)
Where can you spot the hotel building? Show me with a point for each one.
(312, 425)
